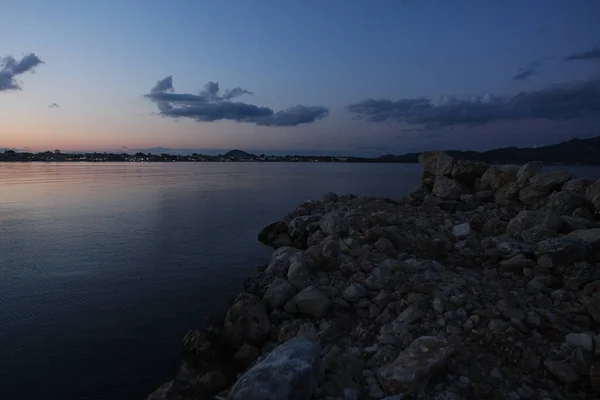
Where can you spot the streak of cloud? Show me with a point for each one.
(563, 102)
(531, 69)
(593, 54)
(54, 105)
(209, 106)
(10, 68)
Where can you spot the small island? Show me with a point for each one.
(574, 151)
(483, 283)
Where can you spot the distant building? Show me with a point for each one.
(57, 151)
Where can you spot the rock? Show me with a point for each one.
(298, 274)
(532, 196)
(592, 195)
(420, 191)
(562, 370)
(530, 219)
(571, 224)
(584, 213)
(278, 293)
(516, 263)
(329, 197)
(298, 225)
(335, 222)
(497, 325)
(593, 306)
(312, 301)
(508, 193)
(466, 171)
(591, 237)
(490, 179)
(354, 293)
(536, 234)
(549, 181)
(582, 340)
(415, 366)
(528, 170)
(448, 189)
(437, 163)
(462, 231)
(246, 321)
(214, 381)
(564, 203)
(563, 250)
(246, 355)
(510, 173)
(289, 372)
(577, 186)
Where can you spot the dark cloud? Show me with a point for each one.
(529, 70)
(593, 54)
(10, 68)
(209, 105)
(54, 105)
(566, 102)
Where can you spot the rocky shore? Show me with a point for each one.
(484, 283)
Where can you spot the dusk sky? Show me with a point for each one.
(342, 77)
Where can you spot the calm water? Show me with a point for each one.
(104, 267)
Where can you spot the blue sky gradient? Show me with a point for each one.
(101, 58)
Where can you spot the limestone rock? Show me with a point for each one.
(592, 195)
(564, 203)
(246, 321)
(420, 191)
(490, 179)
(448, 189)
(508, 193)
(528, 170)
(563, 250)
(577, 186)
(278, 293)
(437, 163)
(591, 237)
(562, 370)
(466, 171)
(289, 372)
(354, 293)
(529, 219)
(462, 231)
(335, 222)
(415, 366)
(549, 181)
(298, 225)
(298, 273)
(312, 301)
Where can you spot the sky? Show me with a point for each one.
(350, 77)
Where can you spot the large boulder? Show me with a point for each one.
(528, 170)
(335, 222)
(420, 191)
(298, 225)
(577, 186)
(549, 181)
(592, 238)
(466, 171)
(246, 321)
(532, 195)
(490, 179)
(527, 219)
(564, 203)
(510, 173)
(448, 189)
(508, 193)
(415, 366)
(437, 163)
(278, 293)
(310, 301)
(560, 251)
(592, 195)
(289, 372)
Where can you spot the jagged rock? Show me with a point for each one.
(312, 301)
(508, 193)
(246, 354)
(564, 203)
(516, 263)
(462, 231)
(562, 370)
(415, 366)
(531, 195)
(437, 163)
(510, 173)
(466, 171)
(490, 179)
(246, 321)
(549, 181)
(214, 381)
(571, 224)
(420, 191)
(289, 372)
(298, 274)
(582, 340)
(354, 293)
(530, 219)
(298, 225)
(591, 237)
(583, 212)
(448, 189)
(536, 234)
(335, 222)
(528, 170)
(278, 293)
(592, 195)
(593, 306)
(329, 197)
(577, 186)
(563, 250)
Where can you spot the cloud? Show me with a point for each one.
(564, 102)
(209, 106)
(54, 105)
(593, 54)
(10, 68)
(529, 70)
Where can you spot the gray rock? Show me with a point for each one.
(312, 301)
(298, 273)
(510, 173)
(467, 171)
(497, 325)
(564, 203)
(536, 234)
(529, 219)
(528, 170)
(490, 179)
(298, 225)
(246, 355)
(246, 321)
(592, 195)
(584, 213)
(448, 189)
(415, 366)
(354, 293)
(582, 340)
(563, 250)
(289, 372)
(562, 370)
(329, 197)
(420, 191)
(508, 193)
(278, 293)
(577, 186)
(437, 163)
(591, 237)
(462, 231)
(335, 222)
(549, 181)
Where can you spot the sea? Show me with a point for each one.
(105, 266)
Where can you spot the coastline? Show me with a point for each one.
(484, 281)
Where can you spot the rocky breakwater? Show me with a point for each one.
(484, 283)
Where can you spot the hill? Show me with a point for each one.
(238, 154)
(574, 151)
